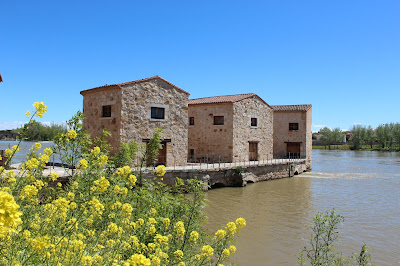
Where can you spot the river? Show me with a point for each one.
(364, 186)
(24, 149)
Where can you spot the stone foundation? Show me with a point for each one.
(238, 177)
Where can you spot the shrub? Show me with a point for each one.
(103, 217)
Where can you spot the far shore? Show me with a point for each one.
(393, 148)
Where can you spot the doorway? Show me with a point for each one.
(293, 150)
(253, 151)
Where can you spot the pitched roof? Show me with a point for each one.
(118, 85)
(295, 107)
(224, 99)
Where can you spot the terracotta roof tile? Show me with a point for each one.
(295, 107)
(135, 82)
(222, 99)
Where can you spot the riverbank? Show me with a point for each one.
(347, 147)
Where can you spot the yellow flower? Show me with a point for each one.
(48, 151)
(40, 108)
(194, 236)
(103, 159)
(95, 151)
(231, 228)
(166, 222)
(232, 249)
(179, 254)
(180, 229)
(161, 170)
(28, 114)
(37, 146)
(9, 214)
(29, 192)
(83, 164)
(153, 212)
(54, 176)
(240, 223)
(226, 252)
(207, 251)
(220, 234)
(155, 261)
(139, 259)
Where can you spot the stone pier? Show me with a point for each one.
(231, 175)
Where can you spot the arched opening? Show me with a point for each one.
(218, 185)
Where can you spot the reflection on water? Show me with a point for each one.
(364, 186)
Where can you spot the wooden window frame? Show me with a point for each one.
(158, 115)
(191, 121)
(106, 111)
(293, 126)
(217, 120)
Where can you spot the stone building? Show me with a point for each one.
(230, 128)
(134, 110)
(292, 131)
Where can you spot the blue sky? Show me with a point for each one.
(343, 57)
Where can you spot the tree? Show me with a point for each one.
(358, 136)
(370, 136)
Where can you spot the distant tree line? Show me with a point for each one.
(384, 137)
(40, 132)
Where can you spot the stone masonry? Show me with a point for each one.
(300, 114)
(131, 104)
(230, 142)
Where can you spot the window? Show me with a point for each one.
(157, 113)
(254, 122)
(106, 112)
(218, 120)
(191, 121)
(293, 126)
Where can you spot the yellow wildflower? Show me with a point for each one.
(54, 176)
(37, 146)
(28, 114)
(207, 250)
(194, 236)
(240, 223)
(232, 249)
(231, 228)
(161, 170)
(220, 234)
(139, 259)
(40, 108)
(83, 164)
(179, 254)
(48, 151)
(9, 214)
(226, 252)
(72, 134)
(95, 151)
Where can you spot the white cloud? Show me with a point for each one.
(357, 124)
(11, 125)
(318, 126)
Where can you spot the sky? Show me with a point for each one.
(343, 57)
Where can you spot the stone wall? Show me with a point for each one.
(309, 138)
(136, 123)
(282, 134)
(206, 139)
(228, 177)
(243, 132)
(93, 101)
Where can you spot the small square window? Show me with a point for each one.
(254, 122)
(106, 111)
(157, 112)
(293, 126)
(218, 120)
(191, 121)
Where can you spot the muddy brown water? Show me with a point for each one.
(363, 185)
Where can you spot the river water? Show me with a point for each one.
(364, 186)
(24, 149)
